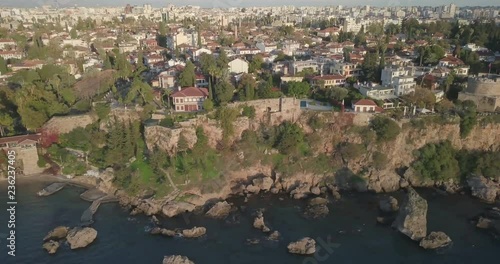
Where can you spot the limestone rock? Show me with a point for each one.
(435, 240)
(305, 246)
(149, 207)
(258, 222)
(385, 220)
(81, 237)
(318, 201)
(220, 210)
(172, 209)
(483, 188)
(315, 190)
(167, 232)
(176, 259)
(155, 231)
(59, 232)
(275, 190)
(389, 204)
(484, 223)
(416, 180)
(263, 183)
(51, 246)
(274, 236)
(253, 189)
(194, 232)
(412, 217)
(301, 191)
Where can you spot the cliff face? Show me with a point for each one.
(336, 129)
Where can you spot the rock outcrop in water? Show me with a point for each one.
(176, 259)
(435, 240)
(194, 232)
(316, 208)
(305, 246)
(388, 205)
(412, 216)
(259, 222)
(51, 246)
(220, 210)
(172, 209)
(483, 188)
(57, 233)
(81, 237)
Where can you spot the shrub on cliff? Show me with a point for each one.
(248, 111)
(468, 117)
(379, 160)
(385, 128)
(437, 161)
(351, 151)
(315, 122)
(290, 136)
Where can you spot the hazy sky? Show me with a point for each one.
(242, 3)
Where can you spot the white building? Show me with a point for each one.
(266, 47)
(182, 36)
(238, 66)
(197, 53)
(398, 78)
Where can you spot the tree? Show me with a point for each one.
(290, 136)
(224, 91)
(139, 92)
(385, 128)
(222, 60)
(6, 123)
(3, 66)
(437, 161)
(208, 104)
(421, 97)
(246, 88)
(337, 93)
(370, 67)
(298, 89)
(187, 77)
(73, 33)
(347, 54)
(182, 144)
(256, 63)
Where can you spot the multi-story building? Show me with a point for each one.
(345, 68)
(189, 99)
(398, 78)
(328, 81)
(182, 36)
(298, 66)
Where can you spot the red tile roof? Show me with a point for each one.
(191, 92)
(18, 139)
(365, 102)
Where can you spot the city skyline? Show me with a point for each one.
(242, 3)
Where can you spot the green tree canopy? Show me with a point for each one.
(187, 76)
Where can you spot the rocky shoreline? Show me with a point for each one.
(407, 217)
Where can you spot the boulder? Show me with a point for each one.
(176, 260)
(194, 232)
(155, 220)
(274, 236)
(81, 237)
(51, 246)
(220, 210)
(316, 211)
(415, 180)
(484, 223)
(172, 209)
(275, 190)
(493, 213)
(301, 191)
(318, 201)
(388, 204)
(412, 217)
(167, 232)
(263, 183)
(483, 188)
(253, 241)
(57, 233)
(315, 190)
(155, 231)
(336, 195)
(305, 246)
(253, 189)
(149, 207)
(435, 240)
(258, 223)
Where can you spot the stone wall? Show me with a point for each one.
(483, 86)
(484, 103)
